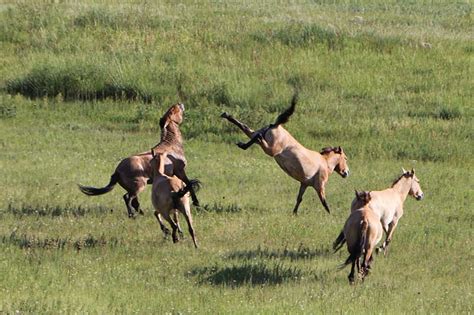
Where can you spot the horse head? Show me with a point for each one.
(174, 114)
(363, 196)
(339, 157)
(415, 188)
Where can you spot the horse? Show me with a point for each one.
(309, 167)
(362, 232)
(134, 173)
(388, 204)
(169, 195)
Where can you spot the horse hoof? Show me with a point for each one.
(141, 212)
(224, 115)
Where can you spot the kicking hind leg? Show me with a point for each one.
(246, 129)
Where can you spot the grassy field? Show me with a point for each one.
(83, 85)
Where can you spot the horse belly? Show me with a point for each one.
(291, 165)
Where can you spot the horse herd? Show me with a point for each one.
(372, 212)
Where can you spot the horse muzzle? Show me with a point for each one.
(344, 174)
(419, 197)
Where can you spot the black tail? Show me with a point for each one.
(92, 191)
(357, 252)
(194, 184)
(285, 116)
(339, 242)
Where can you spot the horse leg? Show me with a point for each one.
(164, 229)
(186, 211)
(322, 196)
(128, 204)
(385, 230)
(136, 205)
(299, 198)
(366, 263)
(174, 226)
(181, 174)
(391, 228)
(254, 136)
(257, 137)
(175, 219)
(351, 275)
(246, 129)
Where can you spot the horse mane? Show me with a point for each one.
(327, 150)
(399, 178)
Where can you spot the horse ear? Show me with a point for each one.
(339, 149)
(403, 170)
(356, 193)
(368, 196)
(413, 171)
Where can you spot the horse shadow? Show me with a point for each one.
(261, 266)
(248, 273)
(293, 254)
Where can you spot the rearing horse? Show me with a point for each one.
(135, 172)
(309, 167)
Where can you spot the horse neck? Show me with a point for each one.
(172, 135)
(331, 160)
(402, 187)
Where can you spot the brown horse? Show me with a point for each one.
(169, 195)
(388, 204)
(309, 167)
(134, 173)
(362, 231)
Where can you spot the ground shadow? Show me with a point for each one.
(302, 252)
(247, 274)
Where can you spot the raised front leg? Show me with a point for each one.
(299, 198)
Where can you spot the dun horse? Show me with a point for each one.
(134, 173)
(308, 167)
(169, 195)
(362, 231)
(388, 204)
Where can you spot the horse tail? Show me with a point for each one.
(357, 252)
(339, 242)
(194, 184)
(285, 116)
(92, 191)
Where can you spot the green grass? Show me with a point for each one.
(84, 85)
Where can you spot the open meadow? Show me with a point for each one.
(84, 84)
